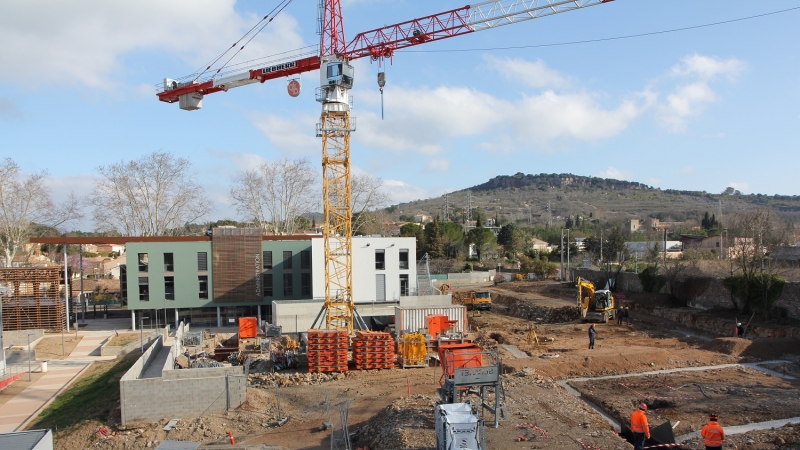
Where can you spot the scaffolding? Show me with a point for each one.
(33, 299)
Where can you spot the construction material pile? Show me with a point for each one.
(406, 424)
(373, 350)
(327, 351)
(537, 313)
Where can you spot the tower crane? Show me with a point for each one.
(336, 123)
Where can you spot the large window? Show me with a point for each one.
(267, 281)
(203, 281)
(202, 261)
(404, 285)
(288, 281)
(380, 260)
(305, 284)
(267, 260)
(404, 259)
(142, 262)
(144, 289)
(287, 260)
(169, 288)
(169, 263)
(305, 259)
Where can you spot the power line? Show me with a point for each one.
(615, 38)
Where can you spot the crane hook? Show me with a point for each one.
(381, 84)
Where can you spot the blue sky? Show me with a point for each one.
(700, 110)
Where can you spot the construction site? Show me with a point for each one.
(326, 390)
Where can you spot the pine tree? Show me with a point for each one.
(433, 239)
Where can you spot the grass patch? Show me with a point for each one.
(123, 339)
(93, 396)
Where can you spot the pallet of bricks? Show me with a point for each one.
(373, 350)
(327, 351)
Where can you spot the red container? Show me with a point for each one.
(460, 356)
(248, 327)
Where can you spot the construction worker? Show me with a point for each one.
(620, 314)
(713, 433)
(739, 330)
(640, 427)
(592, 333)
(627, 315)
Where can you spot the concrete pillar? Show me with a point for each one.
(219, 318)
(259, 314)
(177, 319)
(133, 320)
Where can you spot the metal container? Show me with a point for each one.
(412, 320)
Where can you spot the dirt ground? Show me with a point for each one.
(50, 347)
(392, 409)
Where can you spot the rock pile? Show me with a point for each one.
(537, 313)
(406, 424)
(268, 380)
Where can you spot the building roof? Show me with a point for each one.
(23, 440)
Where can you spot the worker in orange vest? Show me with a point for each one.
(713, 433)
(640, 427)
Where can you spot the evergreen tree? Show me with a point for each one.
(433, 239)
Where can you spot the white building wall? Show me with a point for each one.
(364, 271)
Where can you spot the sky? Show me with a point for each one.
(700, 109)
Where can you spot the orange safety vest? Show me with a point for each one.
(639, 422)
(713, 435)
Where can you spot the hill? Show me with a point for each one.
(545, 199)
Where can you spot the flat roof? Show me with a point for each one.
(122, 240)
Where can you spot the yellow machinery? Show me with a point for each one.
(481, 300)
(595, 305)
(413, 350)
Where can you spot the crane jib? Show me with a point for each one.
(278, 67)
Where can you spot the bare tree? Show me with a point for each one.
(153, 196)
(367, 196)
(276, 193)
(25, 202)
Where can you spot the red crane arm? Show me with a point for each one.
(382, 42)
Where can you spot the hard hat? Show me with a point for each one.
(642, 406)
(738, 324)
(713, 416)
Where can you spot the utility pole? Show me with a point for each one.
(601, 245)
(561, 248)
(469, 209)
(569, 277)
(665, 245)
(446, 207)
(83, 301)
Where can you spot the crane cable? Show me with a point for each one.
(615, 38)
(259, 26)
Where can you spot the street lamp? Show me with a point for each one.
(141, 331)
(3, 290)
(29, 356)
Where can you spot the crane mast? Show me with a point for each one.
(336, 123)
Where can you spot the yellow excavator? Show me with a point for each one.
(595, 305)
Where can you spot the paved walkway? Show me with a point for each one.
(25, 406)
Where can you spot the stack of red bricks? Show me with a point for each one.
(373, 350)
(327, 351)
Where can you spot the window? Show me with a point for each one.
(203, 281)
(123, 283)
(169, 288)
(169, 265)
(287, 260)
(404, 259)
(144, 289)
(380, 287)
(267, 280)
(287, 285)
(305, 284)
(404, 285)
(380, 259)
(142, 262)
(202, 261)
(267, 260)
(305, 259)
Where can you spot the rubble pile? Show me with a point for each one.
(539, 314)
(267, 380)
(405, 424)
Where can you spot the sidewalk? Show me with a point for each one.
(26, 405)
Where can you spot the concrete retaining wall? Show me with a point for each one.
(114, 350)
(20, 338)
(178, 392)
(457, 279)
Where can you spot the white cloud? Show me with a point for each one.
(438, 165)
(240, 160)
(707, 67)
(292, 136)
(401, 192)
(739, 186)
(535, 74)
(614, 173)
(9, 109)
(52, 41)
(687, 170)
